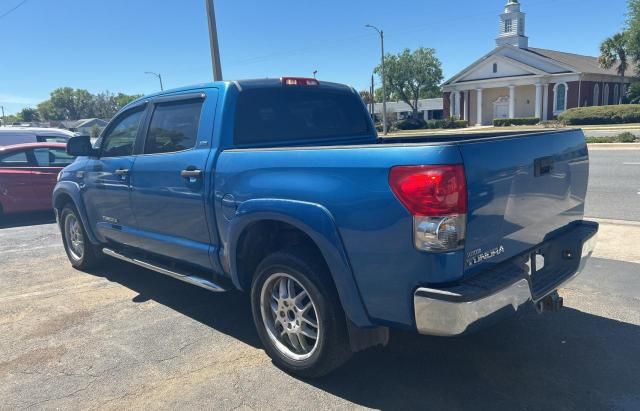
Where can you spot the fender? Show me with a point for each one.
(318, 223)
(72, 189)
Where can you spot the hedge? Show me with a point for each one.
(625, 113)
(521, 121)
(411, 124)
(419, 124)
(447, 123)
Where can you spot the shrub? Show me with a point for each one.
(552, 124)
(450, 122)
(521, 121)
(411, 124)
(626, 113)
(625, 137)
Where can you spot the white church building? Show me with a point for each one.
(515, 80)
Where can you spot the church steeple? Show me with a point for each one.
(512, 23)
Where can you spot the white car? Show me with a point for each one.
(20, 135)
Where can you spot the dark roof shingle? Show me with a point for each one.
(582, 64)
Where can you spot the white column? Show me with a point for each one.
(479, 103)
(466, 105)
(538, 101)
(457, 113)
(512, 101)
(452, 103)
(545, 102)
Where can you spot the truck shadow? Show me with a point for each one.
(567, 360)
(27, 219)
(229, 312)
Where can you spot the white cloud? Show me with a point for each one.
(11, 99)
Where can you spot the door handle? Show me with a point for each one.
(542, 166)
(191, 173)
(122, 172)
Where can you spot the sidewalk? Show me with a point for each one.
(618, 240)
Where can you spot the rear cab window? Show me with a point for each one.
(173, 127)
(276, 115)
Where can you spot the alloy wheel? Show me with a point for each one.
(290, 316)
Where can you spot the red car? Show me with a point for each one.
(28, 173)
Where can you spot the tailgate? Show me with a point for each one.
(521, 190)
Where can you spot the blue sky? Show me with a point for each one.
(109, 44)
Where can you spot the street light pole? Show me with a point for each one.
(213, 41)
(159, 76)
(384, 83)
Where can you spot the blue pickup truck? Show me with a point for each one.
(282, 188)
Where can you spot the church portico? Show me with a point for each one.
(515, 80)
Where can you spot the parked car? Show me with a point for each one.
(21, 135)
(28, 175)
(282, 188)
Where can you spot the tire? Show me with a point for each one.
(81, 253)
(286, 325)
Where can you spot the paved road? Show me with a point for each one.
(611, 133)
(614, 184)
(124, 337)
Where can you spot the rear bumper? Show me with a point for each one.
(455, 310)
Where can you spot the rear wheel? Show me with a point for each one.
(298, 315)
(82, 254)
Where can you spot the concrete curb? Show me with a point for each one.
(616, 146)
(614, 222)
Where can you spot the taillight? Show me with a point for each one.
(436, 196)
(299, 81)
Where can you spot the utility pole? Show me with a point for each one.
(384, 83)
(314, 73)
(372, 91)
(213, 40)
(159, 76)
(4, 120)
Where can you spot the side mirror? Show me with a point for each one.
(80, 146)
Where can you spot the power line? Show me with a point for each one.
(6, 13)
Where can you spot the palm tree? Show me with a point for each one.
(614, 50)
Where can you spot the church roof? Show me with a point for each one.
(581, 64)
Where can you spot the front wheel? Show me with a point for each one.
(298, 315)
(82, 254)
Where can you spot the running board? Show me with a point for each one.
(194, 280)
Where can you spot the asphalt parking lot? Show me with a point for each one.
(125, 337)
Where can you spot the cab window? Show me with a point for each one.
(173, 127)
(52, 157)
(14, 159)
(121, 137)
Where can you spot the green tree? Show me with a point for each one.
(412, 75)
(28, 115)
(633, 31)
(633, 94)
(9, 119)
(613, 51)
(72, 104)
(366, 96)
(49, 112)
(122, 100)
(95, 131)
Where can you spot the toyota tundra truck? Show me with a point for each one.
(283, 189)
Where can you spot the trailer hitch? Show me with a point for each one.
(551, 303)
